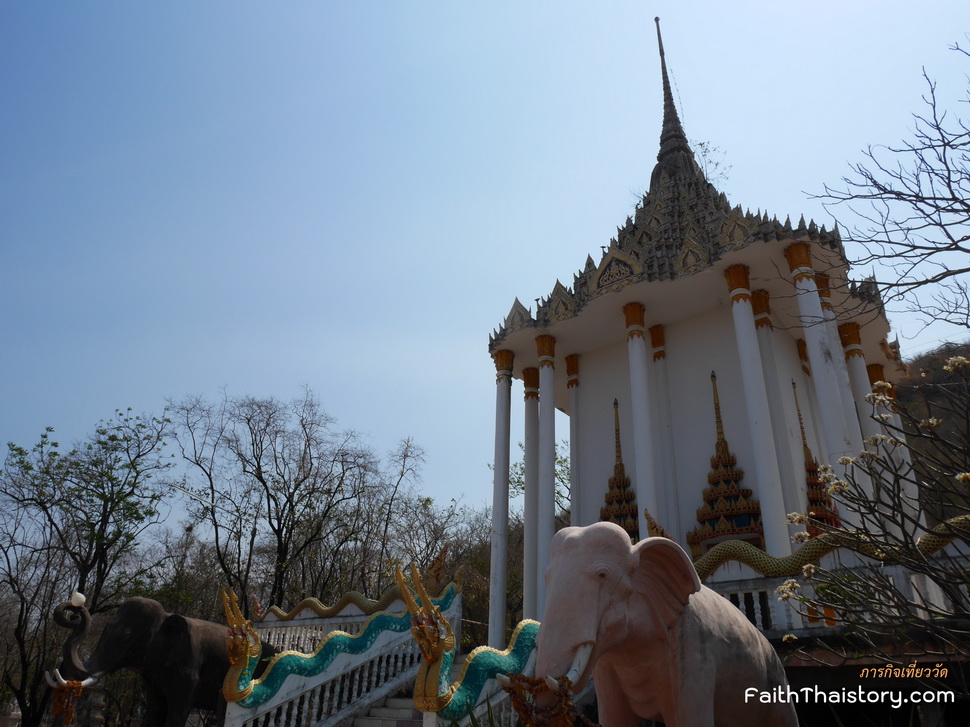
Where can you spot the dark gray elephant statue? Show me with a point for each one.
(182, 661)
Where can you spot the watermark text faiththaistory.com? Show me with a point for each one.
(858, 695)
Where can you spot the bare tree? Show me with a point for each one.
(406, 462)
(912, 206)
(230, 511)
(34, 577)
(272, 481)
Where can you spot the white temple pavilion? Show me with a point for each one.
(690, 288)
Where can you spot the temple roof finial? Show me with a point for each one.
(717, 409)
(672, 136)
(616, 431)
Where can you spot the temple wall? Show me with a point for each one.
(695, 347)
(605, 375)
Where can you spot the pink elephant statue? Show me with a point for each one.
(657, 643)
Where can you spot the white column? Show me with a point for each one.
(855, 362)
(669, 515)
(572, 386)
(852, 418)
(858, 378)
(546, 346)
(784, 434)
(900, 454)
(821, 355)
(644, 480)
(769, 492)
(808, 386)
(498, 584)
(530, 514)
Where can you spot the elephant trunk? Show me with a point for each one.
(73, 615)
(567, 636)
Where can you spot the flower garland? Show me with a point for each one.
(558, 712)
(66, 699)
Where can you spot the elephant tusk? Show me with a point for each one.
(503, 680)
(59, 682)
(552, 683)
(579, 662)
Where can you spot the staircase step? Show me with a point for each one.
(399, 703)
(384, 722)
(400, 711)
(394, 712)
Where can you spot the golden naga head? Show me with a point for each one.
(242, 639)
(430, 629)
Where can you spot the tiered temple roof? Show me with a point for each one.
(682, 225)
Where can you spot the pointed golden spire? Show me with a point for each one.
(672, 136)
(801, 424)
(620, 500)
(616, 430)
(821, 509)
(717, 409)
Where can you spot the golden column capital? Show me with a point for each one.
(876, 373)
(633, 314)
(503, 360)
(799, 255)
(824, 291)
(738, 281)
(572, 370)
(760, 303)
(530, 377)
(657, 342)
(803, 355)
(851, 340)
(546, 347)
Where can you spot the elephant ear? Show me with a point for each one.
(665, 577)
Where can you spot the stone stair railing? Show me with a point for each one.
(757, 597)
(332, 673)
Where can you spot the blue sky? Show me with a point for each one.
(350, 195)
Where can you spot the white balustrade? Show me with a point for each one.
(757, 599)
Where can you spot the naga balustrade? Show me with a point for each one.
(340, 672)
(303, 628)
